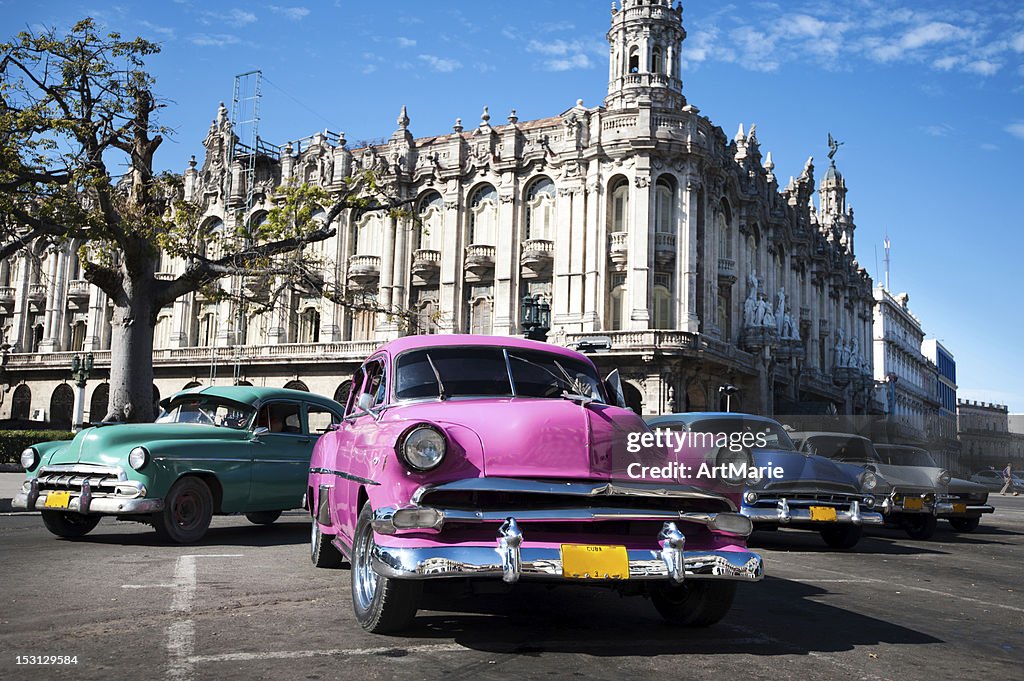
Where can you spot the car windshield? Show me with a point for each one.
(484, 372)
(906, 457)
(774, 435)
(841, 448)
(208, 411)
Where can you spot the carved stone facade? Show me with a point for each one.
(645, 228)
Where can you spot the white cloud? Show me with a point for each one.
(1016, 129)
(933, 32)
(576, 61)
(983, 67)
(946, 63)
(237, 17)
(440, 64)
(988, 146)
(291, 13)
(1017, 42)
(406, 42)
(165, 31)
(937, 130)
(214, 39)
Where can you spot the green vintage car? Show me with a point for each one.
(212, 451)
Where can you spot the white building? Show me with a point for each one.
(639, 221)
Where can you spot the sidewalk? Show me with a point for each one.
(10, 483)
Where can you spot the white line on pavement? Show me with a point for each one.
(148, 586)
(181, 633)
(349, 652)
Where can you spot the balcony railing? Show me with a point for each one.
(727, 268)
(37, 291)
(7, 294)
(78, 288)
(364, 269)
(636, 340)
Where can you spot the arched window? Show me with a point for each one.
(213, 237)
(99, 403)
(296, 385)
(483, 216)
(619, 206)
(162, 331)
(342, 393)
(723, 218)
(431, 217)
(192, 384)
(21, 402)
(426, 317)
(634, 60)
(207, 329)
(369, 235)
(540, 210)
(62, 402)
(657, 61)
(309, 326)
(664, 207)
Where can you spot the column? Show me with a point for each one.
(638, 283)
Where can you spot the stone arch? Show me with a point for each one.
(21, 402)
(62, 404)
(99, 402)
(296, 385)
(430, 211)
(634, 397)
(342, 393)
(192, 384)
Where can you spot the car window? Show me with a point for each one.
(906, 457)
(543, 374)
(371, 378)
(207, 410)
(319, 419)
(280, 417)
(771, 433)
(845, 449)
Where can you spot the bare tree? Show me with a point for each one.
(72, 108)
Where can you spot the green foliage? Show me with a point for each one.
(13, 442)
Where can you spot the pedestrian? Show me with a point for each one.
(1008, 477)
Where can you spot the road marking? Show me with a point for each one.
(181, 633)
(148, 586)
(347, 652)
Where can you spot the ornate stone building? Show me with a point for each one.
(666, 247)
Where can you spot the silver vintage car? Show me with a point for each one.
(912, 497)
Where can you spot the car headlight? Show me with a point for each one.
(29, 458)
(734, 466)
(422, 448)
(138, 457)
(945, 477)
(868, 480)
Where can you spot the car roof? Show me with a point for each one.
(805, 434)
(404, 343)
(884, 445)
(695, 416)
(254, 395)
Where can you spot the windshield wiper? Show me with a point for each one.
(442, 394)
(573, 387)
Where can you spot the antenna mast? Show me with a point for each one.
(887, 246)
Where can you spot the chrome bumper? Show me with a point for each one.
(784, 514)
(970, 511)
(87, 504)
(510, 560)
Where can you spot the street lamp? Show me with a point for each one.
(536, 318)
(728, 390)
(81, 369)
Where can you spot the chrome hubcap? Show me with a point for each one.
(186, 510)
(364, 578)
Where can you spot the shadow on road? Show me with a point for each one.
(775, 617)
(289, 530)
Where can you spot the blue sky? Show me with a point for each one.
(928, 98)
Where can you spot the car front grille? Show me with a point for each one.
(838, 499)
(102, 480)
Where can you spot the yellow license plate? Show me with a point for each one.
(913, 504)
(823, 513)
(959, 508)
(57, 500)
(584, 561)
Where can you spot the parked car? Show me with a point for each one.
(964, 503)
(911, 495)
(993, 480)
(812, 493)
(212, 451)
(497, 458)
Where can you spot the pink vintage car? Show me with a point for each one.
(499, 458)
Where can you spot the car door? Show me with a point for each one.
(280, 457)
(362, 433)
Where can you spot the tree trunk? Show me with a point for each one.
(131, 355)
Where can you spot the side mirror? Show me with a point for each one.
(332, 427)
(260, 430)
(364, 403)
(613, 386)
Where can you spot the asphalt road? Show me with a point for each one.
(247, 604)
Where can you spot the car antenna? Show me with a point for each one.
(442, 394)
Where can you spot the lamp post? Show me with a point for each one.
(728, 390)
(536, 318)
(81, 368)
(5, 382)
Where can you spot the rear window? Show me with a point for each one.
(845, 449)
(906, 457)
